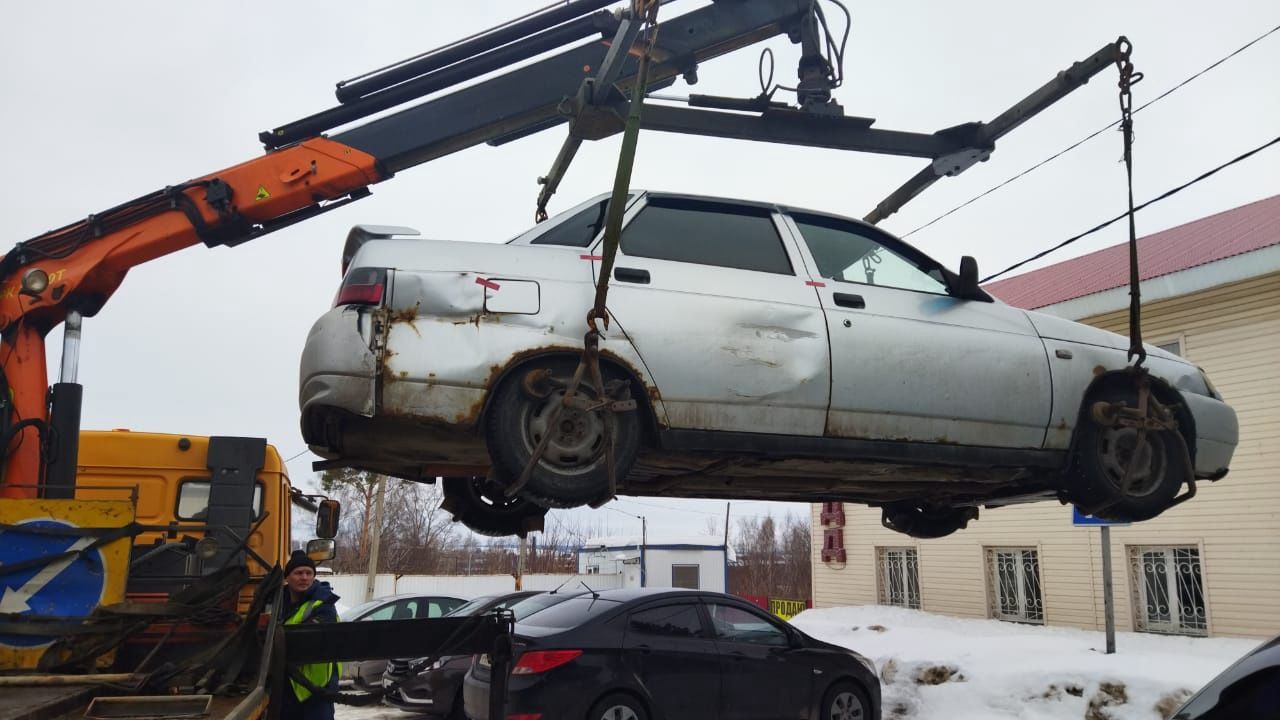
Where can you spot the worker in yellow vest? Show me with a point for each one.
(308, 601)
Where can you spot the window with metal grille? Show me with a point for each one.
(899, 577)
(1013, 575)
(1168, 594)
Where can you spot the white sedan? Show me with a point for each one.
(773, 353)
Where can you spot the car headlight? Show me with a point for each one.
(866, 663)
(1213, 391)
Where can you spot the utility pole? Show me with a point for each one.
(644, 545)
(376, 540)
(520, 563)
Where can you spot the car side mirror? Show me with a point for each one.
(327, 516)
(322, 549)
(969, 277)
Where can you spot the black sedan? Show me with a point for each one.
(437, 690)
(673, 655)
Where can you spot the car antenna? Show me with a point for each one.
(566, 582)
(594, 594)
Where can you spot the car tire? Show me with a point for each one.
(480, 504)
(572, 470)
(1101, 454)
(926, 523)
(618, 706)
(845, 700)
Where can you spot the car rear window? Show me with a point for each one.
(570, 613)
(536, 603)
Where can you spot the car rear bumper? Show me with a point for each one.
(338, 368)
(530, 695)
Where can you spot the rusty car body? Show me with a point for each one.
(773, 353)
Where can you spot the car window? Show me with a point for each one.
(577, 231)
(570, 613)
(706, 233)
(737, 625)
(470, 608)
(849, 253)
(435, 607)
(674, 621)
(383, 613)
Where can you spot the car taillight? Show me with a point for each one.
(362, 286)
(540, 661)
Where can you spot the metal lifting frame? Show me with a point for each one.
(585, 86)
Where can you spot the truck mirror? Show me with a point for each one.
(327, 519)
(322, 549)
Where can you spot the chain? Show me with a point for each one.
(1129, 78)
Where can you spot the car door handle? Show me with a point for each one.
(850, 300)
(634, 275)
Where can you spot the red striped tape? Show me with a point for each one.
(488, 283)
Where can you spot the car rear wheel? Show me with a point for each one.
(480, 504)
(618, 707)
(1119, 476)
(572, 470)
(845, 701)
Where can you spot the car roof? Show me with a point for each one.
(776, 207)
(623, 595)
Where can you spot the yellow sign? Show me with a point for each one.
(262, 193)
(61, 568)
(786, 609)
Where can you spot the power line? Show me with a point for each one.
(1152, 201)
(1092, 135)
(295, 457)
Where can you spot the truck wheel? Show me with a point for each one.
(926, 523)
(1102, 455)
(572, 469)
(480, 504)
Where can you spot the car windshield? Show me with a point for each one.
(571, 612)
(470, 608)
(536, 603)
(363, 608)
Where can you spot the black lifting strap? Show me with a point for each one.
(1129, 78)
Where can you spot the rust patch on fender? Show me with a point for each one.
(407, 316)
(1098, 370)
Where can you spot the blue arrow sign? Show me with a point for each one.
(69, 587)
(1081, 520)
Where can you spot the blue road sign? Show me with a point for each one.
(1081, 520)
(69, 587)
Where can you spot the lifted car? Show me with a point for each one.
(772, 353)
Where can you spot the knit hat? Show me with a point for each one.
(299, 559)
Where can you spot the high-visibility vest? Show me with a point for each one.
(319, 674)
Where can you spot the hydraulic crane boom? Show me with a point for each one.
(71, 272)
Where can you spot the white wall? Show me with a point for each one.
(351, 588)
(711, 568)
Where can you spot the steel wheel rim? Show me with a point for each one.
(619, 712)
(577, 440)
(1117, 453)
(846, 706)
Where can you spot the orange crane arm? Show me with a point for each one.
(78, 267)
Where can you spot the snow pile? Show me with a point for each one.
(934, 667)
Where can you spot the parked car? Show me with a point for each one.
(772, 353)
(1250, 688)
(676, 655)
(437, 690)
(368, 673)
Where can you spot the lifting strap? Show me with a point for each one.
(1129, 78)
(615, 401)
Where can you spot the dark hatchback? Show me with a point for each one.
(437, 690)
(665, 654)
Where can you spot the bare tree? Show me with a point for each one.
(772, 561)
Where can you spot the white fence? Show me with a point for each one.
(351, 588)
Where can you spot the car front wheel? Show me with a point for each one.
(572, 470)
(1122, 474)
(845, 701)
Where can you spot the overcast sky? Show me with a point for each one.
(108, 101)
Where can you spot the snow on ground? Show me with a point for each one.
(1007, 671)
(935, 667)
